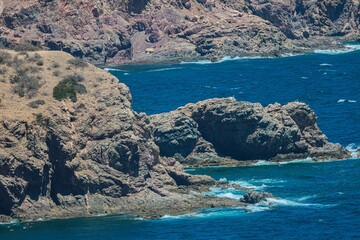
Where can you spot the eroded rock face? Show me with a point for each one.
(117, 31)
(244, 131)
(66, 159)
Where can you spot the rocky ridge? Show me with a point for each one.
(88, 155)
(228, 132)
(148, 31)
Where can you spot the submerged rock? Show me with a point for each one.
(225, 128)
(255, 197)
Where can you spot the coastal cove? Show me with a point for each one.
(327, 81)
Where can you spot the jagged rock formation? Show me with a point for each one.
(219, 131)
(89, 155)
(255, 197)
(118, 31)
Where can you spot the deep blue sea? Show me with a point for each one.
(317, 200)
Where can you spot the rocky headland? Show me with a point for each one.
(148, 31)
(228, 132)
(71, 146)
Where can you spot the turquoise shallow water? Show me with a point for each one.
(317, 200)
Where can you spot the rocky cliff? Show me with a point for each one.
(129, 31)
(70, 145)
(221, 131)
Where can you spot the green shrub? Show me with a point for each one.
(78, 63)
(39, 118)
(68, 87)
(20, 47)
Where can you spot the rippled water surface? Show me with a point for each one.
(316, 200)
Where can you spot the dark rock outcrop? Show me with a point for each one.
(255, 197)
(218, 128)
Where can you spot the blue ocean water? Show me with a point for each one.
(317, 200)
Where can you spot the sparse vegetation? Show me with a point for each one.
(36, 104)
(55, 65)
(56, 73)
(25, 84)
(78, 63)
(68, 87)
(5, 57)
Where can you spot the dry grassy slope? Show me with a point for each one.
(14, 106)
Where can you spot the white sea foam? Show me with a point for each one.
(346, 101)
(354, 149)
(301, 199)
(217, 212)
(164, 69)
(326, 65)
(246, 184)
(126, 73)
(346, 49)
(225, 193)
(266, 163)
(113, 70)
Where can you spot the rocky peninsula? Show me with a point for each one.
(71, 145)
(151, 31)
(228, 132)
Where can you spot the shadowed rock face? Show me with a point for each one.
(244, 131)
(120, 31)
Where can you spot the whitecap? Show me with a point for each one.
(346, 101)
(301, 199)
(304, 78)
(126, 73)
(326, 65)
(164, 69)
(211, 87)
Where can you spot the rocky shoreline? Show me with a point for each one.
(71, 145)
(110, 33)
